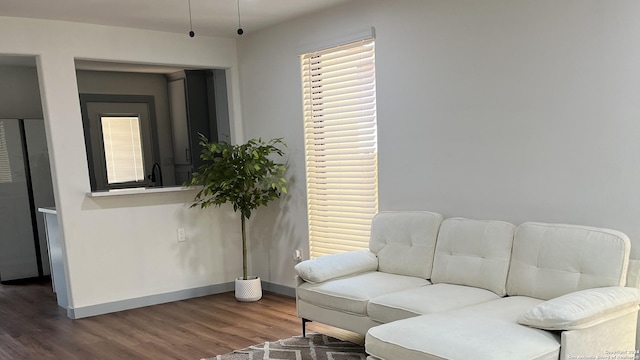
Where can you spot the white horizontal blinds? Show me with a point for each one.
(5, 164)
(122, 149)
(339, 96)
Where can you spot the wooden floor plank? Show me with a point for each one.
(32, 326)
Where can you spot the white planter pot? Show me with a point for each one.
(248, 290)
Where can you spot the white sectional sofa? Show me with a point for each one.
(430, 288)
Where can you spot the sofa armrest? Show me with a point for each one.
(582, 309)
(337, 265)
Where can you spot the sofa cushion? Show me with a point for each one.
(474, 253)
(337, 265)
(507, 309)
(405, 241)
(550, 260)
(352, 294)
(454, 336)
(425, 300)
(582, 309)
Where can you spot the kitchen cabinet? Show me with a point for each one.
(198, 105)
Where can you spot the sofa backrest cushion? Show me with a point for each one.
(404, 241)
(551, 260)
(473, 253)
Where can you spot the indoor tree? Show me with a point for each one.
(246, 175)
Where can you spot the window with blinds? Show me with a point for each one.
(339, 94)
(122, 148)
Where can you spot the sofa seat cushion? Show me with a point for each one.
(453, 336)
(352, 294)
(425, 300)
(507, 309)
(489, 330)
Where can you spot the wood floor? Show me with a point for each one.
(32, 326)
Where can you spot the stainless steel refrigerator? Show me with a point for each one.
(25, 186)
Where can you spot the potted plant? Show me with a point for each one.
(247, 176)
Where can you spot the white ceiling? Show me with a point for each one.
(210, 17)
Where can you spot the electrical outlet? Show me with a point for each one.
(297, 255)
(182, 236)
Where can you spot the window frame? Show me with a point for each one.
(94, 138)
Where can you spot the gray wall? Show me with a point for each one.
(494, 109)
(121, 83)
(19, 93)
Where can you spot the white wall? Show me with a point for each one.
(124, 247)
(494, 109)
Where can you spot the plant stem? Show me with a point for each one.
(244, 250)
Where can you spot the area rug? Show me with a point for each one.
(314, 347)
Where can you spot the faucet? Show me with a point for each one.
(153, 178)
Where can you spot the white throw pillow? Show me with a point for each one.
(581, 309)
(337, 265)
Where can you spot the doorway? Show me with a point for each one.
(25, 186)
(25, 180)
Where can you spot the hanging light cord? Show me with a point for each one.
(191, 33)
(240, 31)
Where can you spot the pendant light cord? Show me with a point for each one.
(191, 33)
(240, 31)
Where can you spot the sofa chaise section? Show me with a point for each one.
(487, 331)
